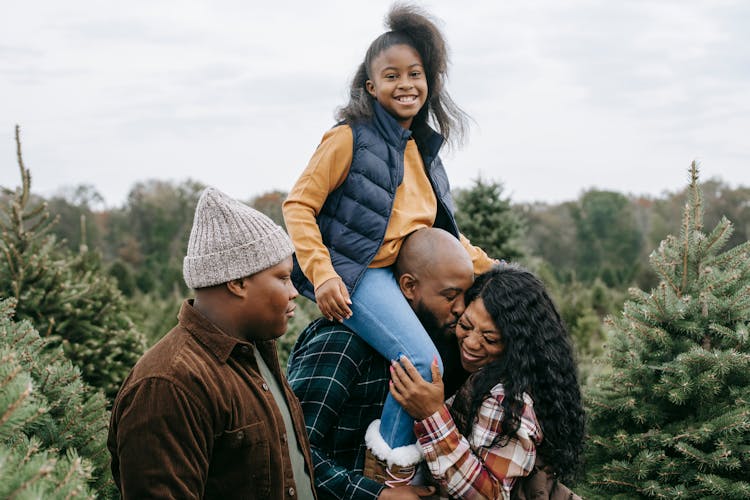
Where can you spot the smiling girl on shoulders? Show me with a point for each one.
(521, 405)
(374, 179)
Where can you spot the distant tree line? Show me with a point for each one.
(609, 235)
(589, 250)
(602, 235)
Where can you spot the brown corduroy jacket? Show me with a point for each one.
(195, 419)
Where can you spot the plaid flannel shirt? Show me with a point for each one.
(342, 384)
(485, 465)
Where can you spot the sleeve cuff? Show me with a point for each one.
(436, 426)
(323, 275)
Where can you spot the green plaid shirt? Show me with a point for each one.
(342, 384)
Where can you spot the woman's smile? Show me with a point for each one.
(479, 340)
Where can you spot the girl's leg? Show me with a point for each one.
(382, 317)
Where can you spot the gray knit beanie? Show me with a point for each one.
(230, 240)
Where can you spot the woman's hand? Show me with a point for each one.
(333, 300)
(418, 397)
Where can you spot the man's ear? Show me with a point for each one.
(408, 285)
(237, 287)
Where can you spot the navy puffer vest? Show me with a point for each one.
(355, 216)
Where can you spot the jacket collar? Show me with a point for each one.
(389, 128)
(428, 140)
(216, 341)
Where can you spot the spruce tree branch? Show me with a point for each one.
(34, 212)
(32, 449)
(682, 449)
(664, 263)
(697, 198)
(12, 374)
(102, 452)
(43, 384)
(9, 259)
(15, 404)
(74, 466)
(38, 413)
(17, 219)
(653, 333)
(25, 176)
(44, 470)
(729, 279)
(658, 304)
(696, 205)
(611, 482)
(739, 296)
(68, 425)
(685, 249)
(726, 228)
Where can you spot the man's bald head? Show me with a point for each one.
(429, 249)
(433, 271)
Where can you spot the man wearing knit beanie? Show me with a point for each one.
(206, 412)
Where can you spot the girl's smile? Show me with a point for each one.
(398, 82)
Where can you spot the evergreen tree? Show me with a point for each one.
(67, 296)
(306, 312)
(152, 232)
(550, 234)
(270, 204)
(488, 220)
(77, 221)
(672, 419)
(608, 240)
(53, 427)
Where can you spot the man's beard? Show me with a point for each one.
(444, 338)
(432, 324)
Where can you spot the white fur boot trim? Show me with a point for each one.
(410, 454)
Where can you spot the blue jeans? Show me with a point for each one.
(382, 317)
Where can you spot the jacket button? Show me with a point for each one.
(240, 435)
(265, 386)
(245, 350)
(291, 492)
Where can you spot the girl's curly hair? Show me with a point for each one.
(537, 359)
(409, 25)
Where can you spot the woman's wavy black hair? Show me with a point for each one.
(409, 25)
(537, 359)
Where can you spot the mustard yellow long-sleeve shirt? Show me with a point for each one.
(414, 207)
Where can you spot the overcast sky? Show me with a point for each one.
(565, 95)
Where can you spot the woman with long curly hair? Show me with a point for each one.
(520, 406)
